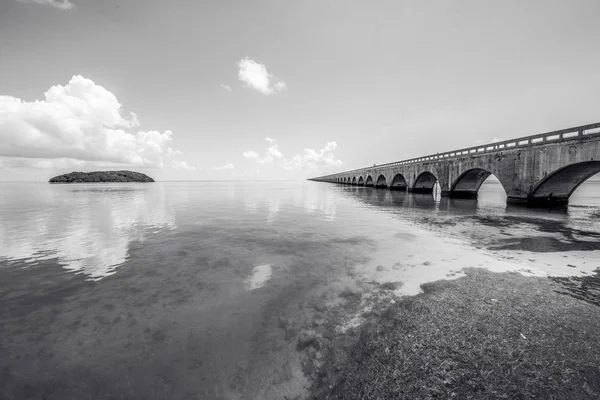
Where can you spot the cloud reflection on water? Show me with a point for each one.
(87, 228)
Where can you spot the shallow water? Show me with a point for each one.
(179, 289)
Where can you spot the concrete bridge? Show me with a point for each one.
(538, 170)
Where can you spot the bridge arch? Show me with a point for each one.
(354, 180)
(381, 182)
(398, 182)
(424, 182)
(468, 183)
(369, 181)
(361, 181)
(559, 185)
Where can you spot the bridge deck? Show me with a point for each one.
(536, 169)
(563, 135)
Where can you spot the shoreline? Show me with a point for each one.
(484, 335)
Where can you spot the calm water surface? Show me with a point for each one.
(179, 289)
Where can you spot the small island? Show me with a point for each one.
(101, 176)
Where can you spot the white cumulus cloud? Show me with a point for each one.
(171, 152)
(274, 151)
(250, 154)
(313, 159)
(184, 165)
(279, 86)
(61, 4)
(257, 77)
(226, 87)
(271, 153)
(80, 121)
(224, 167)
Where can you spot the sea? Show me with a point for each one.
(199, 290)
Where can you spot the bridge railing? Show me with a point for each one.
(562, 135)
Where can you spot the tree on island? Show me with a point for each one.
(101, 176)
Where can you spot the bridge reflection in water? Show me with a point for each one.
(541, 170)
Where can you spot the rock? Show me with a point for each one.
(101, 176)
(306, 339)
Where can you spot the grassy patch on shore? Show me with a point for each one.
(484, 336)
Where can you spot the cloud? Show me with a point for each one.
(226, 87)
(312, 159)
(184, 165)
(79, 121)
(171, 152)
(61, 4)
(224, 167)
(279, 86)
(257, 77)
(274, 151)
(250, 154)
(271, 153)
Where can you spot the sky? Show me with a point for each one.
(202, 90)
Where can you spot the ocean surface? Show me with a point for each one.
(181, 290)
